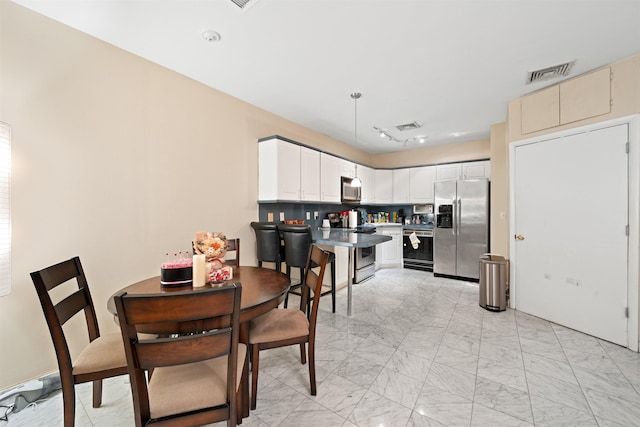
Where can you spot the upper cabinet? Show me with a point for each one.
(576, 99)
(421, 184)
(466, 170)
(449, 172)
(348, 169)
(330, 173)
(384, 186)
(367, 177)
(279, 170)
(476, 170)
(401, 179)
(309, 174)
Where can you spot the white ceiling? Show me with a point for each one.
(452, 66)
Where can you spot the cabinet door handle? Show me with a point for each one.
(519, 237)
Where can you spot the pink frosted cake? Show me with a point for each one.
(178, 272)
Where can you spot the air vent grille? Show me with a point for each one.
(242, 4)
(549, 72)
(408, 126)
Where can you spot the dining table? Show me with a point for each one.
(352, 238)
(263, 289)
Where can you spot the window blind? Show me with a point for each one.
(5, 209)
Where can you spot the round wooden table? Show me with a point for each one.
(262, 290)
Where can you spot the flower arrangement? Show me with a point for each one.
(212, 245)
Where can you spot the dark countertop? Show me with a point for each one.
(418, 226)
(346, 237)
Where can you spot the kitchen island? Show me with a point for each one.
(352, 239)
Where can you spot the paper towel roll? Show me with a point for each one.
(353, 219)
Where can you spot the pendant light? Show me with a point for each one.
(355, 182)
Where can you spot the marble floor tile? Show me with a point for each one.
(453, 358)
(377, 410)
(504, 399)
(550, 413)
(482, 416)
(397, 387)
(452, 380)
(409, 365)
(511, 376)
(418, 351)
(359, 370)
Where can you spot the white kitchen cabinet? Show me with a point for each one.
(449, 172)
(342, 265)
(384, 186)
(367, 177)
(330, 172)
(421, 184)
(348, 168)
(279, 170)
(389, 254)
(466, 170)
(401, 179)
(476, 170)
(288, 171)
(309, 174)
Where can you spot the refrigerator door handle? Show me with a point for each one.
(458, 217)
(454, 218)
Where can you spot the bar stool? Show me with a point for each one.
(268, 245)
(297, 243)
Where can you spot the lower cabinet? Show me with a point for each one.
(389, 254)
(342, 265)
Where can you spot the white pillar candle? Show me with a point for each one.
(199, 271)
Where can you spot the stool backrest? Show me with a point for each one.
(267, 241)
(297, 243)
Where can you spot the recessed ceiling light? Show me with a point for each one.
(210, 35)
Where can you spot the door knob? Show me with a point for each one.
(519, 237)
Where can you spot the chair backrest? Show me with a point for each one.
(297, 243)
(233, 245)
(68, 306)
(216, 311)
(312, 285)
(267, 241)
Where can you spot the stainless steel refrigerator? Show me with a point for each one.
(461, 232)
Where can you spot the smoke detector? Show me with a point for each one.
(211, 36)
(549, 72)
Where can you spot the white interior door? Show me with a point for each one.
(571, 212)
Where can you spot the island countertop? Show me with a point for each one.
(347, 237)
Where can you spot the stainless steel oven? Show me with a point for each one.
(364, 262)
(418, 256)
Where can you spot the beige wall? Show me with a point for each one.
(499, 224)
(473, 150)
(119, 161)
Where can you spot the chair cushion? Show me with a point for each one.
(278, 324)
(193, 386)
(105, 352)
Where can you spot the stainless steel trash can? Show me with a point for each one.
(494, 276)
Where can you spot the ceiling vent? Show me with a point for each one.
(244, 4)
(408, 126)
(549, 72)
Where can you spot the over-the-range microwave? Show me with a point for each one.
(422, 209)
(349, 194)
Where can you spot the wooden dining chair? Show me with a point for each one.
(196, 371)
(103, 357)
(282, 327)
(233, 245)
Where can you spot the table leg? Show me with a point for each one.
(350, 278)
(244, 380)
